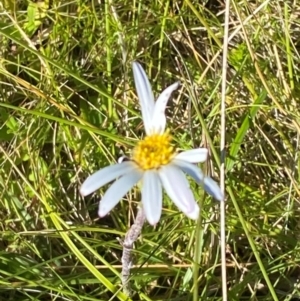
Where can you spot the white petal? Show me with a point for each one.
(191, 169)
(159, 117)
(104, 176)
(117, 190)
(209, 185)
(145, 94)
(177, 187)
(123, 159)
(212, 188)
(194, 155)
(152, 196)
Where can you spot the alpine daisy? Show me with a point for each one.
(154, 162)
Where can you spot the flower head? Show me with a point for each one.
(154, 162)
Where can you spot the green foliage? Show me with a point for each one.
(68, 107)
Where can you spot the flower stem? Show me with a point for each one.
(131, 236)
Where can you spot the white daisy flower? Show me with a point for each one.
(154, 162)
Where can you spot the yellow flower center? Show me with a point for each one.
(152, 152)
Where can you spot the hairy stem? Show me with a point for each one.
(131, 236)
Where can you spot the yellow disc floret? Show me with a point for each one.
(152, 152)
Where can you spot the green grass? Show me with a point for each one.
(68, 107)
